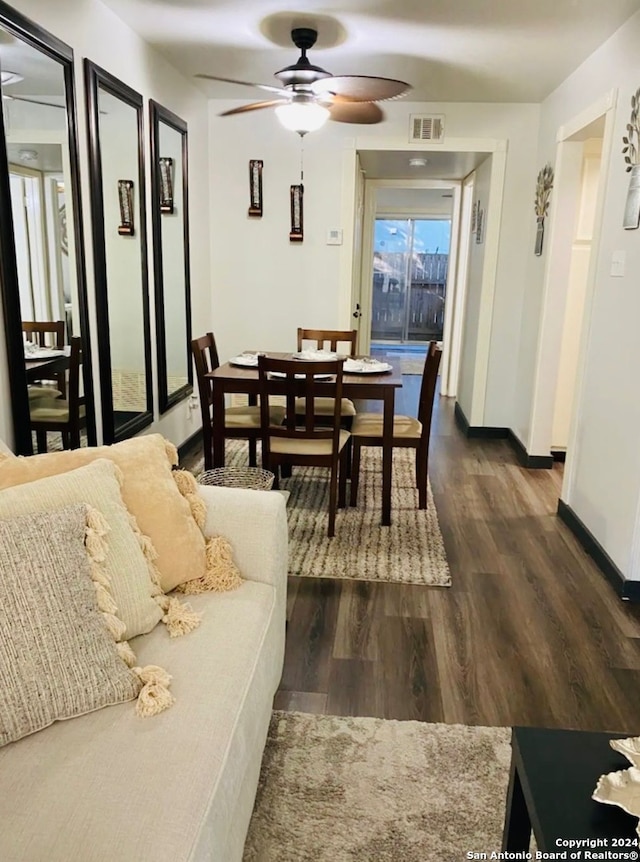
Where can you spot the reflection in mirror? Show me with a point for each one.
(42, 271)
(171, 254)
(120, 254)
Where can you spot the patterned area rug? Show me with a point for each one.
(410, 551)
(361, 789)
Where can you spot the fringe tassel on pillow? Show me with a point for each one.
(221, 573)
(172, 453)
(154, 695)
(188, 487)
(126, 653)
(179, 618)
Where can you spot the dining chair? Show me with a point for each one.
(334, 338)
(407, 431)
(68, 416)
(47, 333)
(301, 441)
(239, 422)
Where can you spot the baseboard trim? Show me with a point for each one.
(189, 443)
(531, 462)
(559, 455)
(626, 589)
(478, 431)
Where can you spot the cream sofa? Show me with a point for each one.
(111, 787)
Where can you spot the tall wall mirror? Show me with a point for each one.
(116, 167)
(170, 221)
(42, 268)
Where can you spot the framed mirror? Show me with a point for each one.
(42, 264)
(170, 223)
(116, 170)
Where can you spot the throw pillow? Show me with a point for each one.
(129, 557)
(58, 658)
(164, 502)
(5, 452)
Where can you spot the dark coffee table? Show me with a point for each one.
(553, 774)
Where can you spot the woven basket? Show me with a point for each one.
(238, 477)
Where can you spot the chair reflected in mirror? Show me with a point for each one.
(65, 415)
(46, 334)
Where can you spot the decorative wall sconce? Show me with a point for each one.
(479, 224)
(631, 151)
(255, 187)
(297, 225)
(544, 185)
(166, 185)
(125, 196)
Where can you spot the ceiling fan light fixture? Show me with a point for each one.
(417, 162)
(302, 117)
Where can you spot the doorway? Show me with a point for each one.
(410, 266)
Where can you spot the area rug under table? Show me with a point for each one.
(368, 790)
(410, 551)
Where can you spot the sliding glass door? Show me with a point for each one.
(410, 263)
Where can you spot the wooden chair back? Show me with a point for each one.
(428, 387)
(47, 333)
(205, 358)
(333, 337)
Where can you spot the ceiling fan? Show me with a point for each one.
(310, 95)
(7, 78)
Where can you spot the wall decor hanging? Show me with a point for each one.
(125, 196)
(544, 184)
(297, 228)
(474, 216)
(166, 184)
(255, 187)
(631, 151)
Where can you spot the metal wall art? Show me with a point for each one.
(125, 196)
(544, 184)
(255, 187)
(166, 184)
(297, 224)
(479, 224)
(631, 151)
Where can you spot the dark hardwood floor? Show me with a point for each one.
(530, 632)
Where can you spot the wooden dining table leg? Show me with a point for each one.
(387, 455)
(218, 423)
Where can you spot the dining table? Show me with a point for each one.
(45, 367)
(229, 379)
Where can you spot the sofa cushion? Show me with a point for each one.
(57, 656)
(178, 788)
(129, 571)
(163, 501)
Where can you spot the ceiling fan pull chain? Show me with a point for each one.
(301, 159)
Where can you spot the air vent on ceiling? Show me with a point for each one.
(426, 127)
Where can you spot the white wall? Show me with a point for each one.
(94, 31)
(602, 476)
(474, 296)
(264, 287)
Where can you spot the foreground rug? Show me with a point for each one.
(410, 551)
(409, 365)
(362, 789)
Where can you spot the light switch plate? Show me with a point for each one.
(618, 259)
(334, 236)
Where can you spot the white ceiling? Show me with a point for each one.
(449, 50)
(392, 164)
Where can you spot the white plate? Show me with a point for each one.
(301, 376)
(315, 355)
(43, 353)
(357, 366)
(245, 360)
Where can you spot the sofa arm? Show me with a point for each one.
(255, 523)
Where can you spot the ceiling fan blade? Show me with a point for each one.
(362, 88)
(345, 111)
(254, 106)
(266, 87)
(10, 98)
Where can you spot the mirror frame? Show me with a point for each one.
(159, 114)
(38, 38)
(95, 79)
